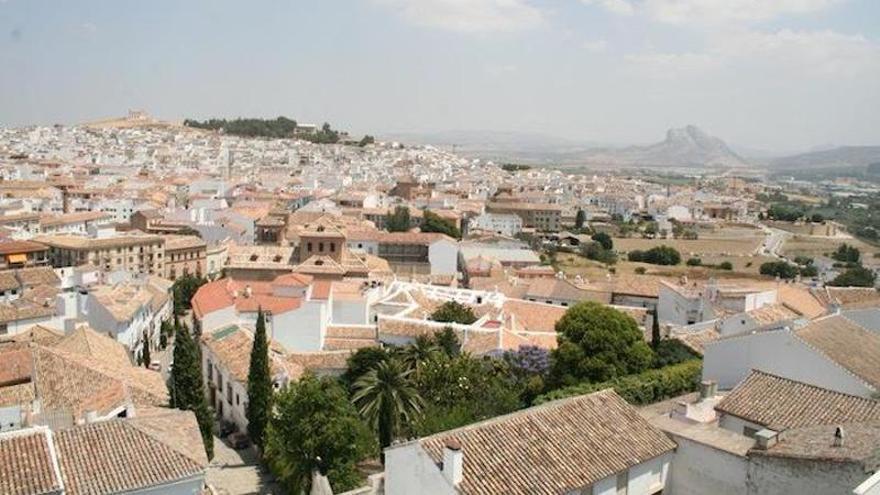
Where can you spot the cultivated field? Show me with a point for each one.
(707, 245)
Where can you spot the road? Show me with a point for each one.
(238, 472)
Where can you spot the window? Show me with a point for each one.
(320, 247)
(332, 247)
(309, 247)
(750, 432)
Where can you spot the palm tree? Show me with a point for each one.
(385, 397)
(418, 352)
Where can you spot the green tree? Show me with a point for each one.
(447, 341)
(398, 221)
(655, 330)
(367, 139)
(454, 312)
(386, 398)
(259, 385)
(316, 428)
(186, 388)
(580, 219)
(603, 239)
(420, 351)
(659, 255)
(597, 343)
(432, 222)
(596, 252)
(146, 355)
(725, 265)
(857, 276)
(847, 254)
(779, 269)
(183, 290)
(362, 361)
(694, 262)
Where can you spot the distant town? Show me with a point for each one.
(237, 306)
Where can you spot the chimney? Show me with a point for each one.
(453, 462)
(708, 389)
(765, 439)
(838, 436)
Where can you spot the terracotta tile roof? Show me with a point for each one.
(26, 466)
(801, 300)
(321, 361)
(232, 346)
(18, 247)
(340, 344)
(846, 343)
(817, 442)
(772, 313)
(780, 403)
(42, 275)
(226, 292)
(534, 316)
(854, 297)
(87, 342)
(554, 448)
(91, 455)
(697, 341)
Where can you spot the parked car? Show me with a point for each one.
(239, 440)
(227, 428)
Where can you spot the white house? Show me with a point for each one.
(591, 444)
(831, 352)
(296, 317)
(226, 357)
(500, 223)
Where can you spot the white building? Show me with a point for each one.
(831, 352)
(499, 223)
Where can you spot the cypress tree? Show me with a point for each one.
(186, 387)
(655, 331)
(259, 384)
(146, 354)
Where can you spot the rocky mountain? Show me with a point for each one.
(683, 147)
(843, 156)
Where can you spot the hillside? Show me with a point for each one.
(844, 156)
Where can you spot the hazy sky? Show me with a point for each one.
(769, 74)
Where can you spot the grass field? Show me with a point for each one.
(801, 245)
(708, 245)
(743, 266)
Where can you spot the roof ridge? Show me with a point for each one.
(810, 385)
(137, 424)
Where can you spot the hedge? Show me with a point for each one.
(642, 388)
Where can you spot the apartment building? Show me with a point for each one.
(134, 253)
(23, 254)
(540, 216)
(185, 255)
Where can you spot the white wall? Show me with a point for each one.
(729, 361)
(698, 469)
(409, 470)
(301, 330)
(443, 257)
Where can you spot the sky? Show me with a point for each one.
(774, 75)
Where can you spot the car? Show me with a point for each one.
(227, 428)
(239, 440)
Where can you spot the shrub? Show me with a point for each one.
(847, 254)
(779, 269)
(640, 270)
(694, 262)
(604, 240)
(726, 265)
(642, 388)
(854, 277)
(660, 255)
(454, 312)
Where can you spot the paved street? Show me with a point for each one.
(237, 472)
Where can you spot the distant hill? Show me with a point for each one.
(683, 147)
(843, 156)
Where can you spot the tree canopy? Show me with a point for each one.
(454, 312)
(432, 222)
(398, 221)
(660, 255)
(597, 343)
(857, 276)
(186, 388)
(604, 239)
(387, 399)
(316, 427)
